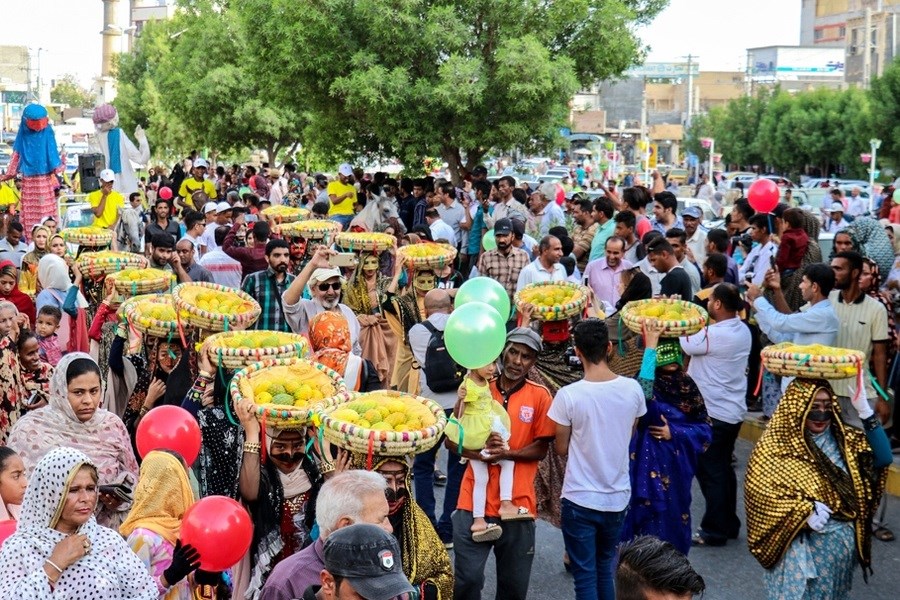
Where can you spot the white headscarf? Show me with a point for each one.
(53, 273)
(109, 571)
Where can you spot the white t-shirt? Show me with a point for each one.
(601, 415)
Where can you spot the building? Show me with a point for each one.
(15, 85)
(796, 68)
(144, 11)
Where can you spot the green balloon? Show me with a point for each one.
(897, 196)
(488, 241)
(475, 335)
(487, 290)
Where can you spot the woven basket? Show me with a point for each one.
(291, 345)
(100, 264)
(312, 229)
(285, 214)
(162, 281)
(365, 242)
(210, 320)
(672, 328)
(298, 370)
(439, 255)
(384, 443)
(790, 360)
(91, 237)
(136, 309)
(558, 312)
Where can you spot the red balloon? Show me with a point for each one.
(165, 193)
(7, 528)
(169, 428)
(763, 195)
(219, 529)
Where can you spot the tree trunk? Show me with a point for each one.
(458, 169)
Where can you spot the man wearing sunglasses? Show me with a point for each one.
(325, 283)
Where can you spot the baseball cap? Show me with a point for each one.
(692, 212)
(369, 558)
(837, 207)
(201, 163)
(222, 207)
(526, 336)
(209, 207)
(320, 275)
(503, 227)
(107, 175)
(345, 169)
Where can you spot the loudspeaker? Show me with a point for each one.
(89, 167)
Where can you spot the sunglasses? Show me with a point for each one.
(323, 287)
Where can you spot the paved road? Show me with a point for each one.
(730, 572)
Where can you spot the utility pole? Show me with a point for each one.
(690, 90)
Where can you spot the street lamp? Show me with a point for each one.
(874, 144)
(711, 144)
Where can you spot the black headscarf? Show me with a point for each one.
(639, 288)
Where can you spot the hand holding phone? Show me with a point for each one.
(343, 259)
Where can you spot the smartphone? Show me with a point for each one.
(249, 218)
(119, 490)
(343, 259)
(31, 400)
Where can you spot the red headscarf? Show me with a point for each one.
(22, 301)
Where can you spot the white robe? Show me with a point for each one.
(126, 182)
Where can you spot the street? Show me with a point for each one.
(730, 572)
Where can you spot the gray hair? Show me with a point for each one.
(344, 496)
(6, 304)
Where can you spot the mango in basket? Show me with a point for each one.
(668, 311)
(216, 301)
(547, 296)
(257, 339)
(386, 413)
(142, 274)
(425, 250)
(88, 230)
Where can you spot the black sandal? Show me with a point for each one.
(884, 534)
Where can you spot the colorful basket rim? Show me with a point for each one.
(131, 307)
(240, 320)
(564, 311)
(683, 327)
(446, 255)
(314, 229)
(245, 352)
(110, 262)
(282, 211)
(78, 235)
(358, 241)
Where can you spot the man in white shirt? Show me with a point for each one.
(278, 186)
(696, 235)
(451, 212)
(222, 217)
(718, 366)
(546, 266)
(856, 204)
(224, 269)
(705, 191)
(762, 255)
(439, 229)
(834, 220)
(596, 488)
(545, 212)
(11, 247)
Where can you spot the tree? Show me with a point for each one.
(454, 78)
(68, 91)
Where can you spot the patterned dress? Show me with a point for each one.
(38, 192)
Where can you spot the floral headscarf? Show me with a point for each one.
(329, 337)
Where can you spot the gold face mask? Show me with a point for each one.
(424, 282)
(370, 263)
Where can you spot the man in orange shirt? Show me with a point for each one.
(531, 431)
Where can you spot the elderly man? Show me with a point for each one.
(325, 284)
(546, 267)
(268, 286)
(348, 498)
(603, 274)
(545, 212)
(696, 235)
(185, 250)
(856, 204)
(530, 434)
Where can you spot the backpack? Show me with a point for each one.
(442, 374)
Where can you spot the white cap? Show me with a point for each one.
(209, 207)
(222, 207)
(345, 169)
(320, 275)
(201, 162)
(107, 175)
(837, 207)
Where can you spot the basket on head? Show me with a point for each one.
(133, 282)
(326, 385)
(311, 229)
(553, 300)
(152, 314)
(426, 255)
(194, 303)
(90, 237)
(285, 214)
(353, 241)
(813, 361)
(100, 264)
(238, 349)
(340, 427)
(678, 317)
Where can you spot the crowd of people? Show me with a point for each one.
(580, 421)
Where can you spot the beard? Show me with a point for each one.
(330, 304)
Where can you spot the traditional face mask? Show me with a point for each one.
(820, 416)
(396, 498)
(290, 458)
(370, 263)
(424, 282)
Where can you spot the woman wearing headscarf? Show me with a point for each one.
(365, 293)
(12, 388)
(790, 284)
(36, 373)
(329, 339)
(36, 158)
(665, 446)
(59, 550)
(74, 418)
(10, 292)
(873, 242)
(812, 487)
(59, 291)
(279, 482)
(28, 276)
(422, 554)
(162, 496)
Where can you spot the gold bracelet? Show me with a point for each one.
(144, 411)
(54, 565)
(251, 447)
(205, 374)
(326, 467)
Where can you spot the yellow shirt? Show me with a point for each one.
(191, 185)
(9, 194)
(114, 203)
(336, 188)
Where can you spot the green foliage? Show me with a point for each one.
(67, 90)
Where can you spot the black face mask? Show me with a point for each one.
(289, 458)
(396, 495)
(820, 416)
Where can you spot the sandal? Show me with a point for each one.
(884, 534)
(701, 540)
(491, 533)
(521, 514)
